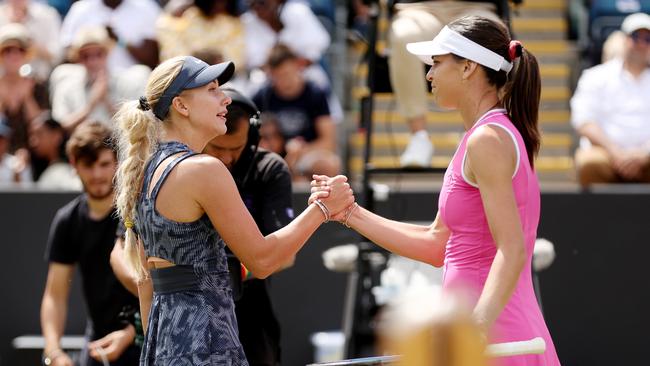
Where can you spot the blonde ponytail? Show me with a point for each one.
(137, 137)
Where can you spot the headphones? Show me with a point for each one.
(249, 106)
(254, 123)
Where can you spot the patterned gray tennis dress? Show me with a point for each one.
(192, 318)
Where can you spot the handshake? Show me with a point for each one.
(334, 197)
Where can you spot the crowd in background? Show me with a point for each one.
(64, 63)
(67, 63)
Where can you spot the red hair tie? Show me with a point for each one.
(514, 49)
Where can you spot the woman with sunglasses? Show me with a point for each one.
(489, 204)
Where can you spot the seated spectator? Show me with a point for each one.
(303, 115)
(13, 169)
(47, 142)
(17, 92)
(89, 89)
(43, 24)
(610, 110)
(131, 24)
(185, 34)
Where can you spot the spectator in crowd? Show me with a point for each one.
(83, 233)
(47, 144)
(43, 24)
(185, 34)
(416, 21)
(13, 169)
(90, 89)
(610, 110)
(17, 91)
(130, 24)
(303, 115)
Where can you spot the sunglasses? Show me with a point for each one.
(638, 37)
(13, 49)
(88, 55)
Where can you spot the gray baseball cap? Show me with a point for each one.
(194, 73)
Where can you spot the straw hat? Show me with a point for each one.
(14, 34)
(90, 36)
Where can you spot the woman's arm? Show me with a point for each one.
(491, 161)
(422, 243)
(216, 193)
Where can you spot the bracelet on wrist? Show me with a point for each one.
(324, 209)
(349, 213)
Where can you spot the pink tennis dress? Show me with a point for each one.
(471, 249)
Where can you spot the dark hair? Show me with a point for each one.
(236, 112)
(280, 54)
(207, 7)
(88, 140)
(522, 86)
(209, 56)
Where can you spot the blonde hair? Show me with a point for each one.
(137, 137)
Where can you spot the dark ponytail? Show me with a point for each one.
(521, 87)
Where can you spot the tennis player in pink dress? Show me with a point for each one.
(489, 205)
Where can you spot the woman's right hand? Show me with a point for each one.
(334, 192)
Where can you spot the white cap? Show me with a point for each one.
(448, 41)
(634, 22)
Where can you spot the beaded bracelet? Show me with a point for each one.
(324, 209)
(349, 214)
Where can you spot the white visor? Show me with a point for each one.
(448, 41)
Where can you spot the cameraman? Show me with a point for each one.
(264, 184)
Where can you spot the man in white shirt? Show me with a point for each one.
(131, 24)
(89, 90)
(610, 110)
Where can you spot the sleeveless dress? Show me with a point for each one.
(470, 249)
(192, 318)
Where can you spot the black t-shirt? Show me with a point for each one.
(267, 195)
(75, 238)
(297, 117)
